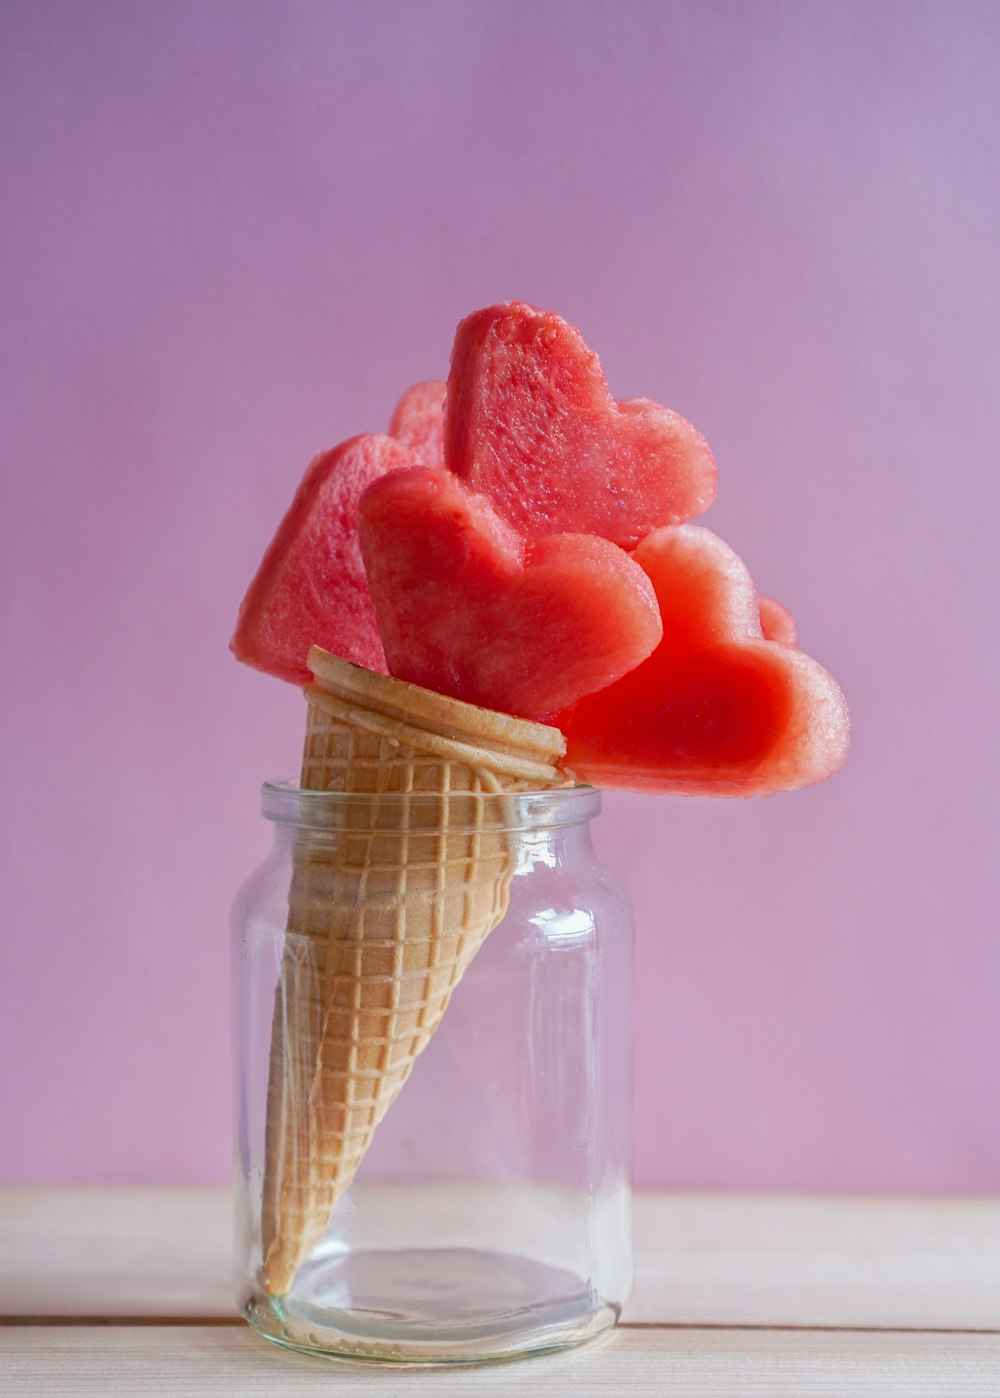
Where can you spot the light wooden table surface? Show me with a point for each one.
(126, 1291)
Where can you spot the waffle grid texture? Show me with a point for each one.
(384, 918)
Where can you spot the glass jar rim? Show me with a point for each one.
(286, 803)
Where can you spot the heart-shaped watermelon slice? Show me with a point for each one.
(466, 608)
(716, 710)
(310, 588)
(530, 423)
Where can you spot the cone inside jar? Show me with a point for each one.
(385, 914)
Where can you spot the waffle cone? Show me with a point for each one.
(385, 914)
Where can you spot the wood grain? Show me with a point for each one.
(191, 1362)
(857, 1262)
(115, 1252)
(717, 1260)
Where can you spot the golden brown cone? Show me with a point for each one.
(385, 915)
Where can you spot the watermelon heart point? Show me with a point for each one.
(310, 588)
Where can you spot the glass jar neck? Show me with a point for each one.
(544, 822)
(553, 846)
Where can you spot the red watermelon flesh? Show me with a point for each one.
(466, 608)
(716, 710)
(310, 588)
(530, 423)
(418, 422)
(777, 622)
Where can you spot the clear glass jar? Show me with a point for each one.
(490, 1214)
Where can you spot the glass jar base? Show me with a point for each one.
(445, 1306)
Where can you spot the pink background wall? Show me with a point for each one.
(232, 232)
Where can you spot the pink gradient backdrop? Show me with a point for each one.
(233, 231)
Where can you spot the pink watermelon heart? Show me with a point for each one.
(465, 608)
(310, 588)
(777, 622)
(716, 710)
(530, 423)
(418, 422)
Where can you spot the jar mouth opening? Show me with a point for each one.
(286, 803)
